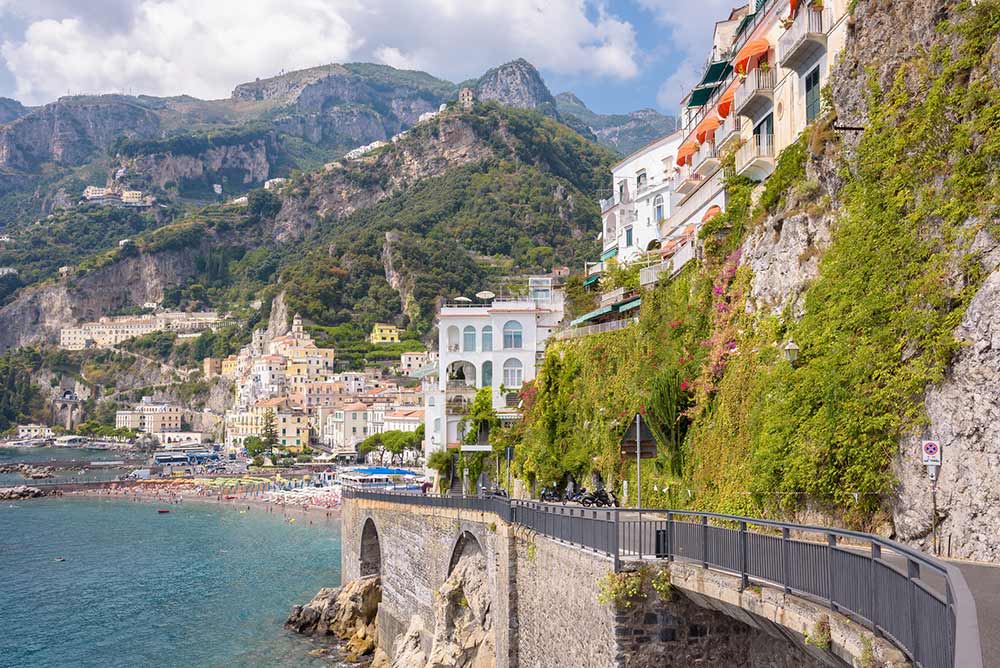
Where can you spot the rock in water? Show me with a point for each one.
(347, 612)
(20, 492)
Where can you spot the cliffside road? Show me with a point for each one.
(984, 582)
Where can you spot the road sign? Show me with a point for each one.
(646, 442)
(931, 453)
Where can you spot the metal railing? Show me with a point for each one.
(921, 604)
(808, 21)
(758, 146)
(706, 151)
(758, 81)
(601, 328)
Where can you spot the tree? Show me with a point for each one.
(269, 433)
(254, 446)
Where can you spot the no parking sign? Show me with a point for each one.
(931, 453)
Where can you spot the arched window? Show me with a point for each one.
(512, 335)
(469, 339)
(513, 373)
(487, 339)
(453, 336)
(610, 227)
(658, 208)
(487, 374)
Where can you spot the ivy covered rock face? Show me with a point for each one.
(867, 250)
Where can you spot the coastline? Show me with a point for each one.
(240, 503)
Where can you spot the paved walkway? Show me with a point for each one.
(984, 582)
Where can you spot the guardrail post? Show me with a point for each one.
(615, 552)
(913, 574)
(670, 536)
(831, 542)
(744, 577)
(784, 560)
(873, 588)
(704, 542)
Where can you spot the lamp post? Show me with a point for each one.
(791, 351)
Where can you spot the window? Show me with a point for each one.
(469, 339)
(621, 191)
(512, 335)
(812, 95)
(513, 373)
(487, 374)
(487, 338)
(640, 179)
(452, 340)
(658, 208)
(628, 237)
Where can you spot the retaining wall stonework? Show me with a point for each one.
(545, 608)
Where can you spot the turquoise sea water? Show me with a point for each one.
(201, 586)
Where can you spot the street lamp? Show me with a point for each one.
(791, 351)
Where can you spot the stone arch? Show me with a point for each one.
(466, 544)
(462, 372)
(371, 550)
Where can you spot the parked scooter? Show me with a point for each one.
(550, 495)
(604, 500)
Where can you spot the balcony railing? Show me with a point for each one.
(755, 91)
(607, 204)
(728, 131)
(706, 160)
(805, 38)
(612, 297)
(601, 328)
(755, 159)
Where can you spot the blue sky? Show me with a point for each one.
(616, 56)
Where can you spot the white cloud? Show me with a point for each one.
(205, 47)
(691, 35)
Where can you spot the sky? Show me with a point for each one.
(617, 56)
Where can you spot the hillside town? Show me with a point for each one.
(508, 379)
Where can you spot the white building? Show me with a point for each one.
(274, 183)
(640, 201)
(496, 345)
(345, 427)
(34, 431)
(404, 420)
(409, 363)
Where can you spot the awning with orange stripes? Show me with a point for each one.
(726, 102)
(686, 150)
(752, 49)
(706, 127)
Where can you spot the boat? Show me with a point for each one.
(162, 510)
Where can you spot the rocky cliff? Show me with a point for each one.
(446, 142)
(241, 165)
(72, 131)
(10, 110)
(38, 313)
(516, 84)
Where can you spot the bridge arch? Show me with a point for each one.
(466, 544)
(371, 550)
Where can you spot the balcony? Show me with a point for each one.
(706, 160)
(756, 94)
(755, 159)
(686, 181)
(728, 134)
(805, 40)
(651, 275)
(607, 204)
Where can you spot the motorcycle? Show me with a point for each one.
(602, 499)
(550, 495)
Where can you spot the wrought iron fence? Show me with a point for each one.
(921, 604)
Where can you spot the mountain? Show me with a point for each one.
(624, 133)
(10, 110)
(517, 84)
(458, 201)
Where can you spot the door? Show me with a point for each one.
(812, 95)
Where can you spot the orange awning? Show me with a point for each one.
(753, 48)
(792, 6)
(686, 150)
(712, 212)
(706, 127)
(726, 102)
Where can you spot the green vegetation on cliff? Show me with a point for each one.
(761, 435)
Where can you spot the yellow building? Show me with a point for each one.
(229, 366)
(382, 333)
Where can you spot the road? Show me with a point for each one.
(984, 582)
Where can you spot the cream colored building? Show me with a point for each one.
(150, 417)
(110, 331)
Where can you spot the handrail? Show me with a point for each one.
(843, 578)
